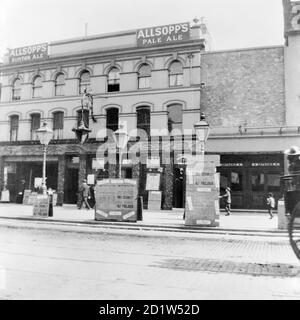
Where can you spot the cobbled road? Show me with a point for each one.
(84, 263)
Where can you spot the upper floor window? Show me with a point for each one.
(35, 124)
(113, 81)
(175, 74)
(16, 89)
(143, 119)
(60, 85)
(14, 127)
(37, 87)
(144, 76)
(112, 119)
(174, 117)
(84, 82)
(58, 124)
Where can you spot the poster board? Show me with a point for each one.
(26, 195)
(41, 206)
(153, 181)
(32, 197)
(154, 200)
(202, 192)
(116, 200)
(91, 179)
(38, 182)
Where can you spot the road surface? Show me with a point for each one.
(93, 263)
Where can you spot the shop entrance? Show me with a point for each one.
(251, 178)
(179, 187)
(71, 186)
(22, 175)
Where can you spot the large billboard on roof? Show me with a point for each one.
(29, 53)
(163, 34)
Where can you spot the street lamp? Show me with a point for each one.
(44, 134)
(121, 138)
(82, 131)
(202, 131)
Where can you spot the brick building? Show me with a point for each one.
(250, 98)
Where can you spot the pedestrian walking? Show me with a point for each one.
(270, 204)
(85, 195)
(227, 195)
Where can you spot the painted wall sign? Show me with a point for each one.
(29, 53)
(163, 34)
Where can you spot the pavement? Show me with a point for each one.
(238, 223)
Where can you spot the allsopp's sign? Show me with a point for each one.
(163, 34)
(23, 54)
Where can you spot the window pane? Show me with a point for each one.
(58, 120)
(60, 79)
(112, 119)
(35, 121)
(145, 71)
(113, 75)
(236, 180)
(14, 125)
(16, 95)
(176, 68)
(37, 82)
(143, 119)
(174, 117)
(257, 182)
(273, 182)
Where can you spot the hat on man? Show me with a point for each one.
(84, 180)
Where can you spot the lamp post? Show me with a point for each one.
(44, 134)
(121, 138)
(202, 131)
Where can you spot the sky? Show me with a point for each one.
(232, 24)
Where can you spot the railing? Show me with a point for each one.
(255, 131)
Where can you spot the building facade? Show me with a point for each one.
(157, 80)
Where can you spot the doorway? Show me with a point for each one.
(71, 186)
(179, 187)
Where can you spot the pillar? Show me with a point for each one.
(61, 179)
(167, 201)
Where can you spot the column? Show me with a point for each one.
(61, 179)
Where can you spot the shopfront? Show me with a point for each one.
(251, 178)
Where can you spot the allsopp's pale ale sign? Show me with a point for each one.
(163, 34)
(29, 53)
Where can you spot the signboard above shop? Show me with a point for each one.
(29, 53)
(163, 34)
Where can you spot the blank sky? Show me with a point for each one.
(231, 23)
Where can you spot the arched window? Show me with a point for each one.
(144, 76)
(60, 85)
(174, 117)
(37, 87)
(143, 119)
(84, 82)
(113, 81)
(35, 124)
(58, 125)
(14, 127)
(112, 119)
(175, 74)
(16, 89)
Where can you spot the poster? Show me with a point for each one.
(153, 181)
(116, 199)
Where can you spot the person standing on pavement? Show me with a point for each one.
(85, 189)
(227, 195)
(270, 204)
